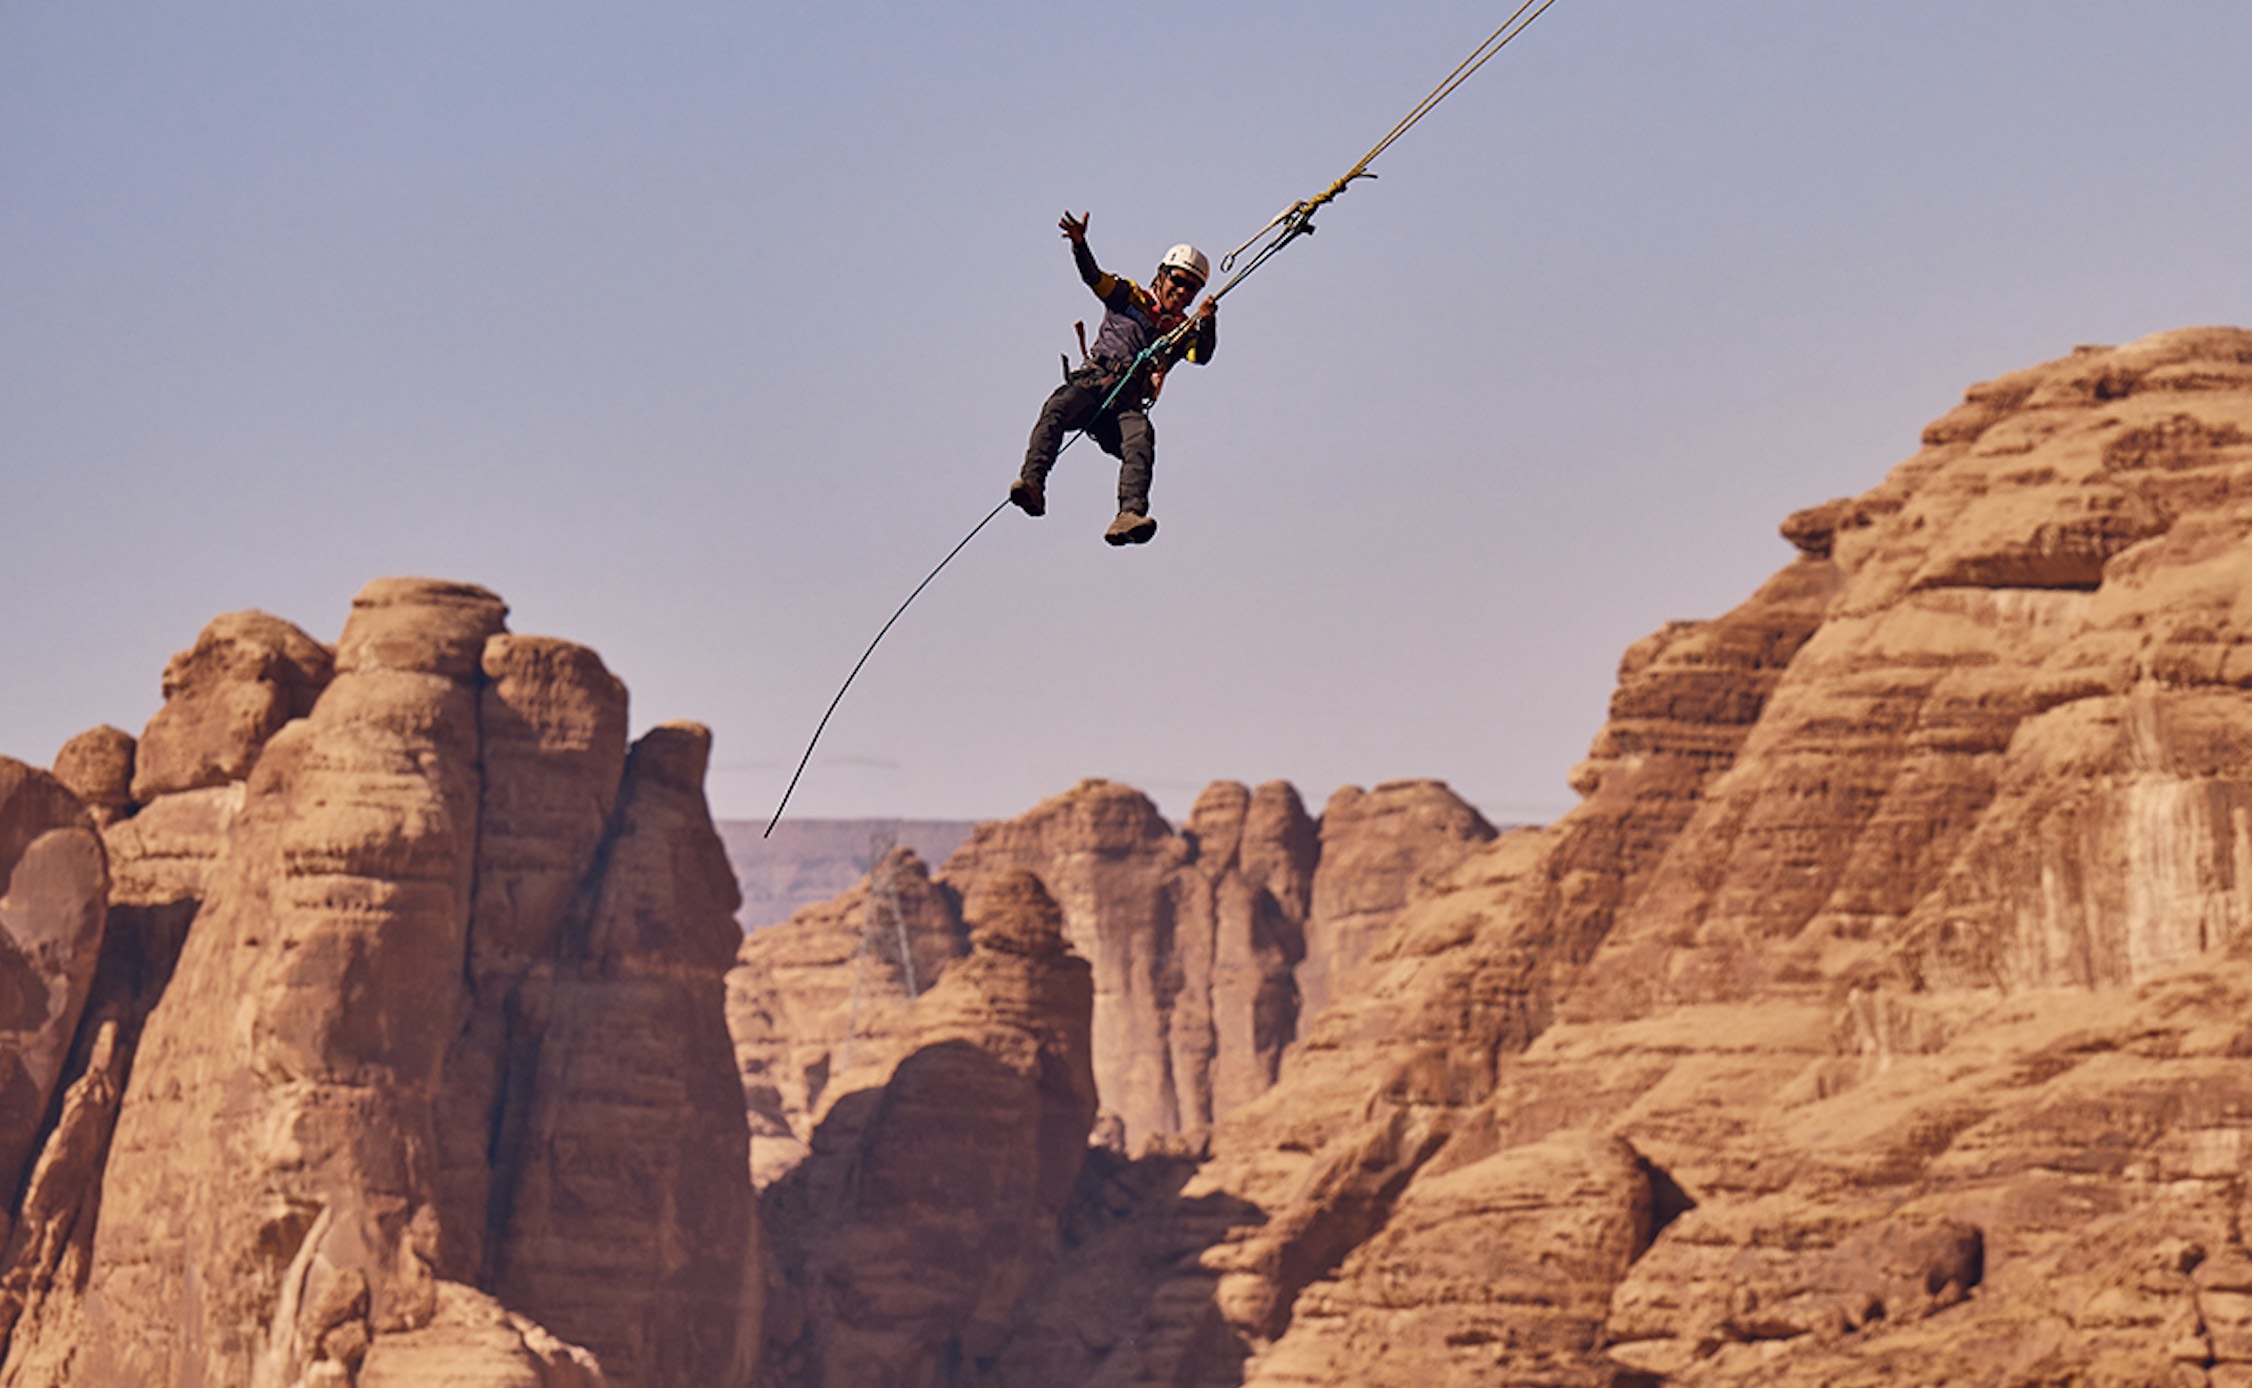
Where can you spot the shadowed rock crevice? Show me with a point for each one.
(928, 1209)
(54, 886)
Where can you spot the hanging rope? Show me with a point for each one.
(965, 544)
(1293, 222)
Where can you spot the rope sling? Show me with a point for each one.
(1288, 225)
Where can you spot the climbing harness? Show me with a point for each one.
(1291, 223)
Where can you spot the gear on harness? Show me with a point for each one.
(1108, 395)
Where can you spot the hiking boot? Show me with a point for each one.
(1130, 529)
(1030, 497)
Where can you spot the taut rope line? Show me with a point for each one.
(1293, 222)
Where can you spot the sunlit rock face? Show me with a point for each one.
(1878, 1015)
(897, 1122)
(1214, 944)
(405, 1060)
(930, 1206)
(821, 1006)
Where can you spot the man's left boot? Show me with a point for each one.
(1130, 529)
(1029, 496)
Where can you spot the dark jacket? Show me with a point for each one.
(1131, 322)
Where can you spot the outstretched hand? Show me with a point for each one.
(1075, 228)
(1209, 307)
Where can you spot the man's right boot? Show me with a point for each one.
(1029, 496)
(1130, 529)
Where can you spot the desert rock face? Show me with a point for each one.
(1378, 849)
(1201, 942)
(1244, 905)
(97, 767)
(1194, 943)
(1876, 1017)
(54, 883)
(822, 1006)
(1201, 939)
(629, 1224)
(1879, 1015)
(1113, 865)
(400, 1042)
(928, 1208)
(246, 676)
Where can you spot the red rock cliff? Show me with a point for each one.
(1878, 1016)
(405, 1061)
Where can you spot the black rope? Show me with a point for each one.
(1294, 222)
(965, 544)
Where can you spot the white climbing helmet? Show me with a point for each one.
(1189, 258)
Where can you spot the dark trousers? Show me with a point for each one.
(1123, 432)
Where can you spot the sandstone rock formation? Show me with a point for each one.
(53, 894)
(405, 1060)
(1379, 850)
(247, 675)
(1113, 865)
(97, 767)
(1199, 939)
(1244, 903)
(928, 1207)
(821, 1007)
(1196, 938)
(630, 1225)
(1878, 1015)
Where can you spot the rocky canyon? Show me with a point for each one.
(1881, 1012)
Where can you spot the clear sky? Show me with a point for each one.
(701, 332)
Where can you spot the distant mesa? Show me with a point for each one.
(808, 860)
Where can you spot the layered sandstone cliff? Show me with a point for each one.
(404, 1061)
(822, 1007)
(1203, 943)
(929, 1207)
(1878, 1015)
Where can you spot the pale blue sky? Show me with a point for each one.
(701, 332)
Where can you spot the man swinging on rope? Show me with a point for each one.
(1133, 319)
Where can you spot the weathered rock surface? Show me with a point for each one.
(1244, 904)
(1878, 1016)
(630, 1224)
(406, 1060)
(97, 766)
(929, 1208)
(54, 884)
(247, 675)
(1200, 939)
(1379, 850)
(821, 1006)
(552, 721)
(1498, 1270)
(1312, 1170)
(1114, 867)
